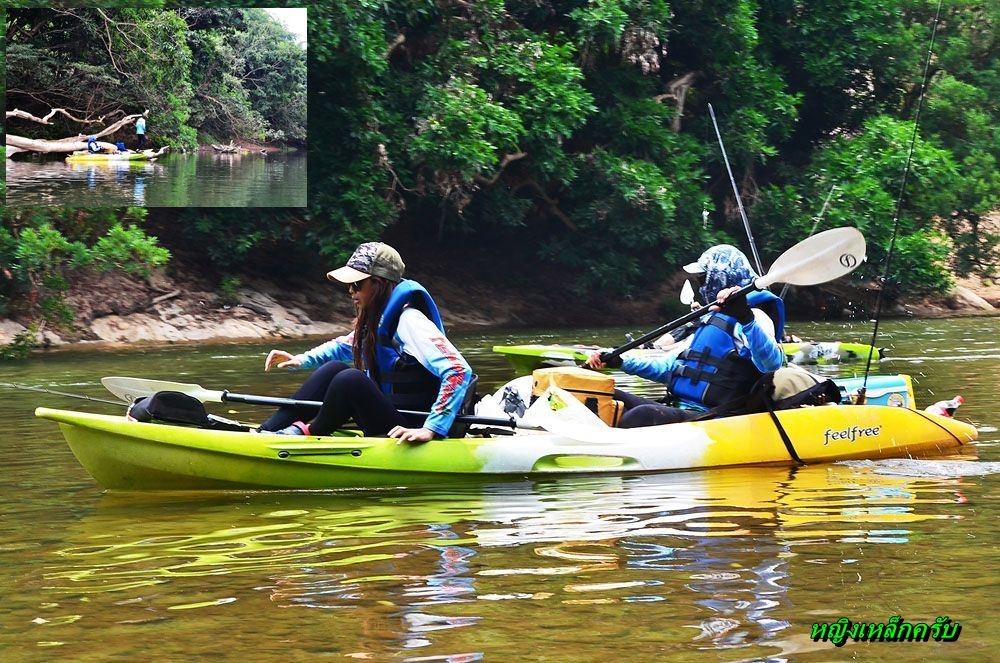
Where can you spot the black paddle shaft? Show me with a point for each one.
(670, 326)
(280, 402)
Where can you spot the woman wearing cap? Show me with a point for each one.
(397, 358)
(730, 350)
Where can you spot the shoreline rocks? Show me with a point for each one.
(115, 311)
(170, 324)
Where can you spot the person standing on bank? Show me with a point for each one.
(396, 358)
(140, 133)
(732, 346)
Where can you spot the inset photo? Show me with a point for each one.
(185, 107)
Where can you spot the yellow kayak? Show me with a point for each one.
(144, 155)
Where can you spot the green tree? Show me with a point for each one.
(39, 251)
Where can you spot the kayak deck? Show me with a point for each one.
(129, 455)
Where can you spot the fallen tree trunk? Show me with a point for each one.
(16, 144)
(232, 147)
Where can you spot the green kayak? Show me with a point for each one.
(526, 358)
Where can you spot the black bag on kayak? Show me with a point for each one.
(796, 387)
(174, 407)
(787, 388)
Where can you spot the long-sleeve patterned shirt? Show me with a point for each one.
(420, 338)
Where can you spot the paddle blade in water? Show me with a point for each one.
(818, 259)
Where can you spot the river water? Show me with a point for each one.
(736, 564)
(173, 180)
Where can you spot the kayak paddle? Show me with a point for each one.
(816, 259)
(132, 389)
(687, 294)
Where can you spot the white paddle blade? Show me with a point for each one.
(687, 294)
(132, 389)
(818, 259)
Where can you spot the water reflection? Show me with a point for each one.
(730, 543)
(734, 560)
(177, 180)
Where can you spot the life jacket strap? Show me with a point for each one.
(759, 398)
(726, 325)
(725, 368)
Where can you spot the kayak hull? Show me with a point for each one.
(129, 455)
(526, 358)
(105, 158)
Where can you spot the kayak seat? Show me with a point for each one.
(468, 408)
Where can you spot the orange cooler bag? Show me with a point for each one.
(593, 389)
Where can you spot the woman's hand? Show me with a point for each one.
(280, 359)
(665, 342)
(412, 434)
(594, 361)
(721, 297)
(734, 306)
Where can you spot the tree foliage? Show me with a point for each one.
(575, 133)
(226, 73)
(579, 129)
(40, 250)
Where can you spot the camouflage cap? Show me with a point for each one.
(370, 259)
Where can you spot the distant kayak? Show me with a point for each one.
(145, 155)
(526, 358)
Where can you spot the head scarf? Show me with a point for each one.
(725, 266)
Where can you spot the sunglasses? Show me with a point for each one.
(356, 286)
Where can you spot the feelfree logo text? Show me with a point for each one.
(849, 434)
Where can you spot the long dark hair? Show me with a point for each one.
(366, 326)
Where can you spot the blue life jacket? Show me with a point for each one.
(408, 384)
(773, 306)
(92, 145)
(711, 372)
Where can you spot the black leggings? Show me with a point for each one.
(641, 412)
(347, 393)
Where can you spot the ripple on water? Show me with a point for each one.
(912, 467)
(203, 604)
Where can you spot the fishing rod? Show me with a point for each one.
(736, 193)
(42, 390)
(899, 204)
(826, 204)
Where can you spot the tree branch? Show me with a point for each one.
(396, 43)
(677, 90)
(507, 159)
(24, 115)
(552, 203)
